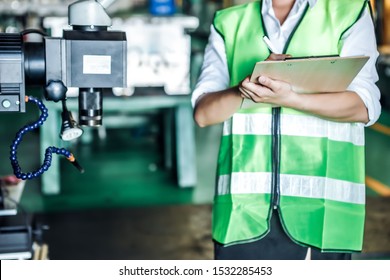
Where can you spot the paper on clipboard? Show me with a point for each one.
(310, 75)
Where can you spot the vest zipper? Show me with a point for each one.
(275, 157)
(275, 127)
(276, 133)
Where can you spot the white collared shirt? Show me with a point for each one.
(358, 40)
(279, 34)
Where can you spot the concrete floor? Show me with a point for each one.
(177, 232)
(377, 230)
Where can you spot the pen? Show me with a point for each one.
(270, 47)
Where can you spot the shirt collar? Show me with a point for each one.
(311, 2)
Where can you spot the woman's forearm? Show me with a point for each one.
(216, 107)
(341, 106)
(344, 106)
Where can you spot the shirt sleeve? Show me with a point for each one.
(214, 75)
(360, 40)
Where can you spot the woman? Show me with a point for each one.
(291, 175)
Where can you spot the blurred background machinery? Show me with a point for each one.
(382, 18)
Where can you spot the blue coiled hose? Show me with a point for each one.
(48, 153)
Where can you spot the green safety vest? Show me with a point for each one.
(312, 170)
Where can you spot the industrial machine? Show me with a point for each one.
(159, 70)
(89, 57)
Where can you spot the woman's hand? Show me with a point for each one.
(267, 90)
(276, 56)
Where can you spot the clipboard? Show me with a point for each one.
(310, 74)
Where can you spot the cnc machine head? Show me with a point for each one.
(89, 57)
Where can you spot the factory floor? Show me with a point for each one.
(128, 206)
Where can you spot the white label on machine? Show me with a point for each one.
(96, 64)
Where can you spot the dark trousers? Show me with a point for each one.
(276, 245)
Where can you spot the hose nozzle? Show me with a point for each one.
(73, 160)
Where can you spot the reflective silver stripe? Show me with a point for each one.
(244, 183)
(292, 185)
(316, 127)
(227, 127)
(257, 124)
(320, 187)
(296, 125)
